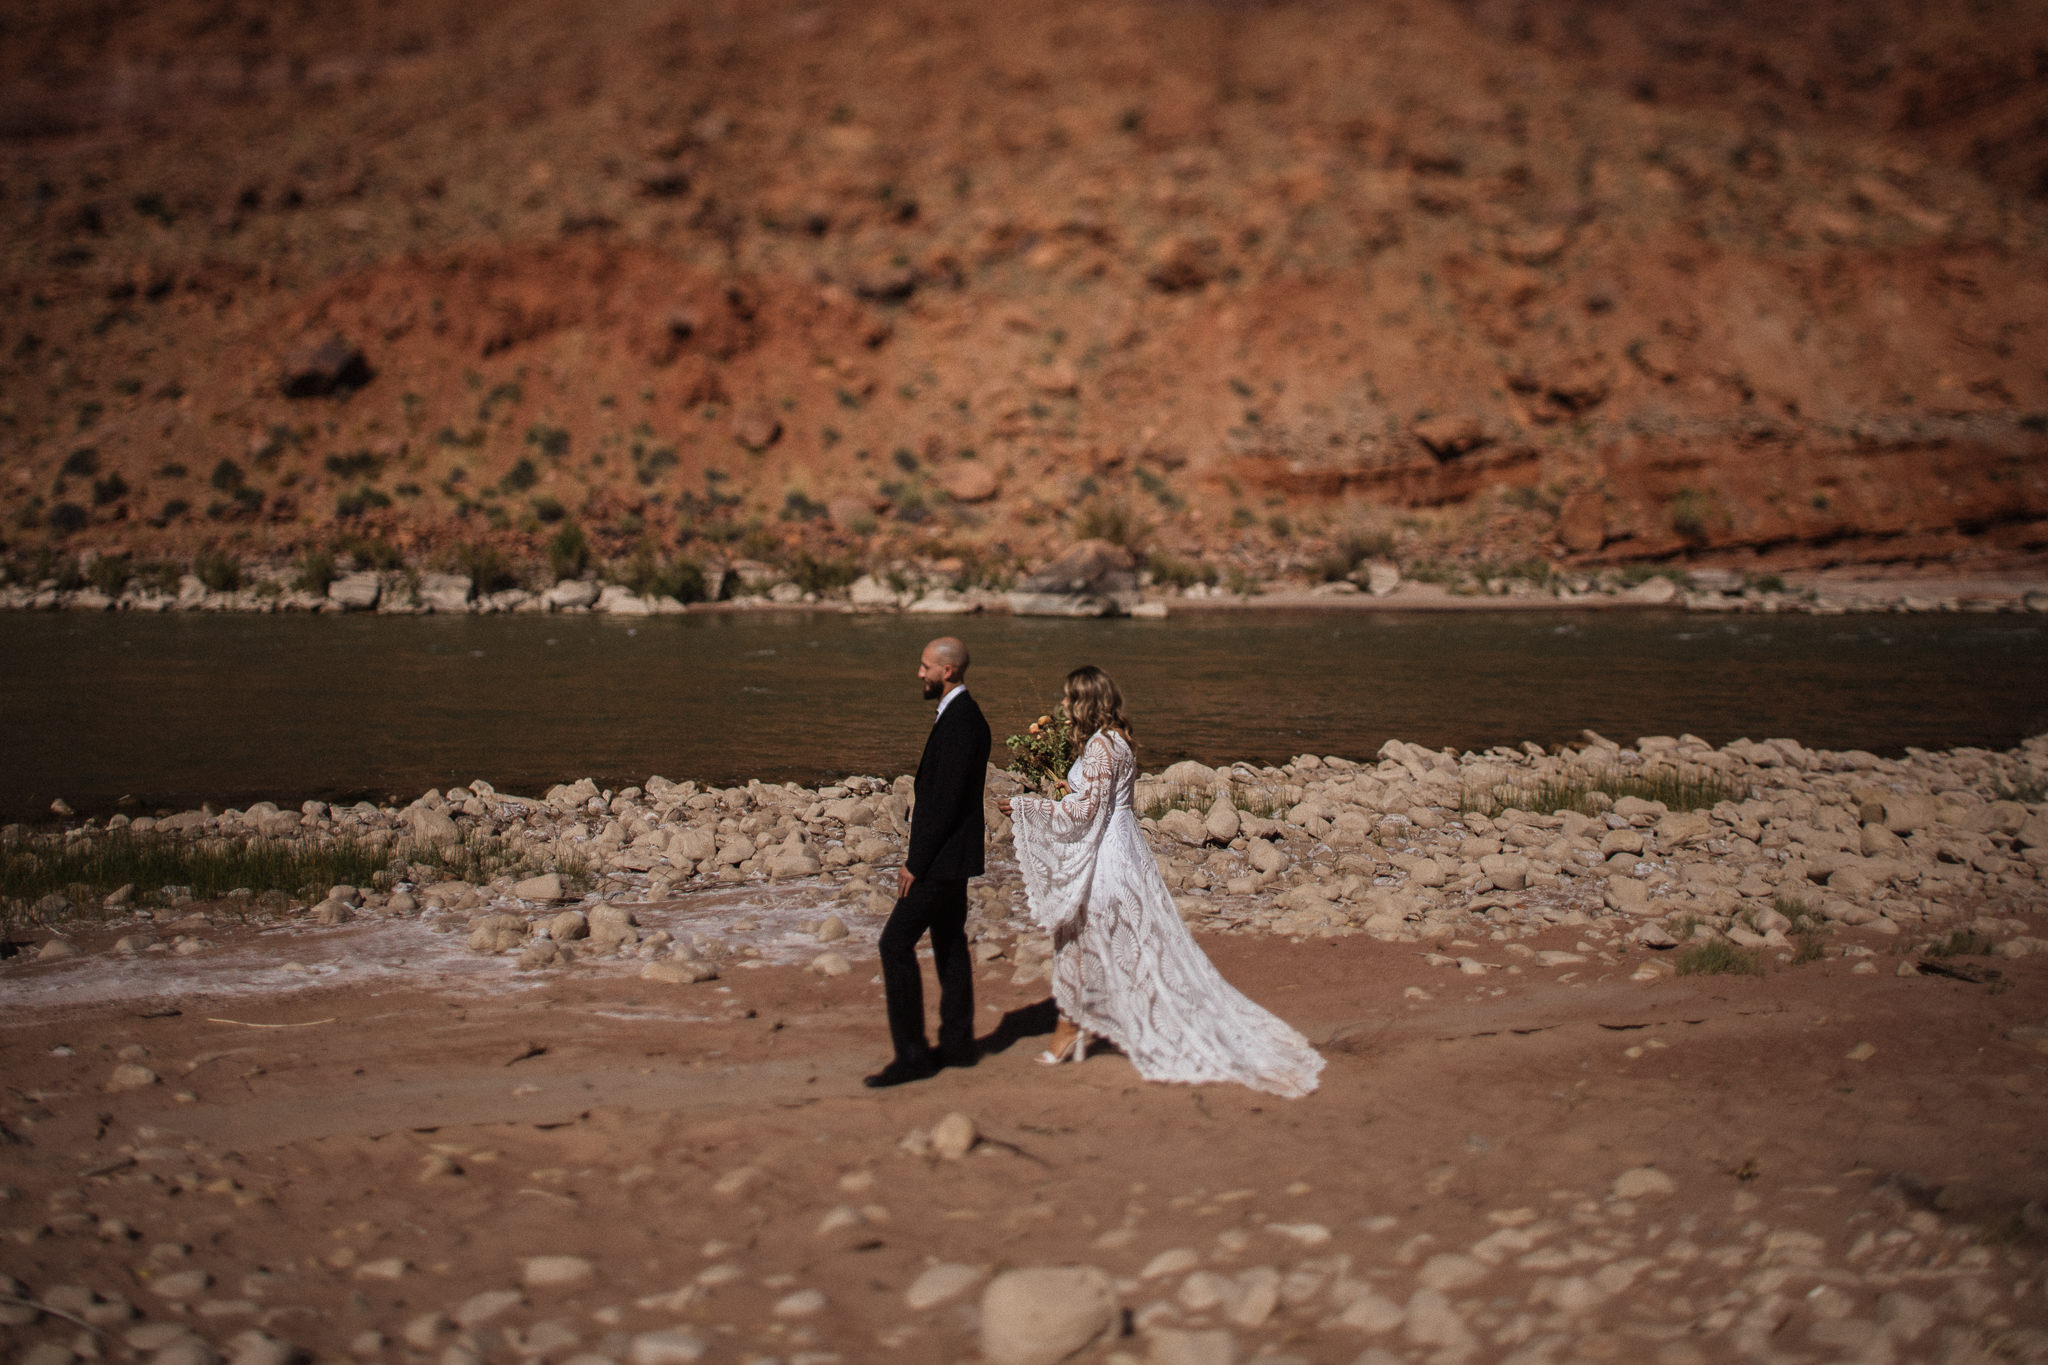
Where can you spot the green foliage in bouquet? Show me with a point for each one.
(1044, 752)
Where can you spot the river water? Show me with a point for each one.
(178, 709)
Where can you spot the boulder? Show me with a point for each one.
(1381, 579)
(1184, 826)
(1043, 1314)
(611, 925)
(571, 593)
(568, 926)
(356, 591)
(323, 365)
(1222, 822)
(546, 887)
(618, 600)
(496, 933)
(445, 592)
(1264, 857)
(970, 481)
(1451, 435)
(430, 826)
(1092, 578)
(1582, 521)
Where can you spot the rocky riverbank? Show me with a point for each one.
(566, 1123)
(925, 589)
(1753, 852)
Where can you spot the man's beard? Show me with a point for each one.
(933, 691)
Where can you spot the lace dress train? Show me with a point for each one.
(1124, 966)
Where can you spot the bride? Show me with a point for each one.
(1124, 966)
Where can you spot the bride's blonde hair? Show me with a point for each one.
(1094, 703)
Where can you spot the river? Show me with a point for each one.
(179, 709)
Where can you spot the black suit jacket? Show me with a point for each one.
(946, 827)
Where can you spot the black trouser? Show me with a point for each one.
(939, 907)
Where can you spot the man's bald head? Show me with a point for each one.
(942, 666)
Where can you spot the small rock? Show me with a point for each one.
(131, 1076)
(56, 948)
(1171, 1346)
(954, 1136)
(679, 971)
(1862, 1052)
(938, 1284)
(553, 1272)
(1451, 1271)
(481, 1308)
(259, 1348)
(831, 964)
(1450, 435)
(1043, 1314)
(389, 1268)
(831, 930)
(1178, 1261)
(803, 1303)
(672, 1346)
(1642, 1182)
(180, 1285)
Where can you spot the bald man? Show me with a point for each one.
(931, 889)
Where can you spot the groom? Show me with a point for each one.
(931, 890)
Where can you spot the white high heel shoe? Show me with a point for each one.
(1076, 1050)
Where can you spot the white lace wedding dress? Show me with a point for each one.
(1124, 966)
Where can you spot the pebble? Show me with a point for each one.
(1171, 1346)
(481, 1308)
(131, 1076)
(1449, 1271)
(1642, 1182)
(259, 1348)
(389, 1268)
(554, 1272)
(803, 1303)
(1177, 1261)
(953, 1136)
(672, 1346)
(936, 1284)
(180, 1285)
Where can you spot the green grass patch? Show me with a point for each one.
(1678, 789)
(89, 868)
(1717, 957)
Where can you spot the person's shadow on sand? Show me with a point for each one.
(1028, 1021)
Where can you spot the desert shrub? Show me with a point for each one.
(370, 552)
(568, 552)
(1691, 512)
(226, 477)
(363, 499)
(520, 477)
(486, 567)
(314, 571)
(1717, 957)
(218, 569)
(1099, 519)
(548, 509)
(82, 463)
(1962, 943)
(1175, 572)
(110, 574)
(550, 441)
(111, 489)
(67, 517)
(356, 464)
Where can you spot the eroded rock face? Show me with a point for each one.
(1092, 578)
(323, 365)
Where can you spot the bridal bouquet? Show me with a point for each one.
(1043, 753)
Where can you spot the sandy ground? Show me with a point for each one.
(359, 1151)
